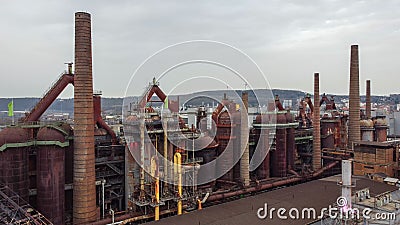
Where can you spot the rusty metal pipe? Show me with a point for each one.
(226, 182)
(84, 193)
(99, 120)
(252, 189)
(293, 172)
(323, 169)
(49, 97)
(268, 186)
(325, 157)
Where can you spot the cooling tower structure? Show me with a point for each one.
(84, 195)
(354, 98)
(317, 127)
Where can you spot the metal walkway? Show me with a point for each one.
(14, 210)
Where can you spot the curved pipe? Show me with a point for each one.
(278, 104)
(302, 112)
(99, 120)
(330, 103)
(147, 97)
(101, 124)
(291, 171)
(217, 111)
(310, 104)
(49, 97)
(55, 91)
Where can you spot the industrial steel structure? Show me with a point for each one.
(107, 178)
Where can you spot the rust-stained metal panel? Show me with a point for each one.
(327, 133)
(14, 161)
(51, 176)
(291, 147)
(263, 171)
(225, 150)
(278, 157)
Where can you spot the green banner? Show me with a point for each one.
(166, 103)
(11, 108)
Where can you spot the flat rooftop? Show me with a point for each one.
(316, 194)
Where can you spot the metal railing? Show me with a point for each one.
(14, 210)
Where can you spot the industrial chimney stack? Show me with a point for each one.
(84, 197)
(354, 95)
(316, 126)
(368, 100)
(244, 161)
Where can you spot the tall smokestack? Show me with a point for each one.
(244, 161)
(354, 95)
(368, 100)
(316, 126)
(84, 208)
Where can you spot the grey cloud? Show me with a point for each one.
(288, 39)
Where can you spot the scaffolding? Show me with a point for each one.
(14, 210)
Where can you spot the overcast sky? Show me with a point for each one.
(289, 40)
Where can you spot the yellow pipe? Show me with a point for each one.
(165, 154)
(157, 209)
(199, 204)
(178, 169)
(154, 173)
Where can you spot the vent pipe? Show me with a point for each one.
(84, 193)
(316, 126)
(354, 95)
